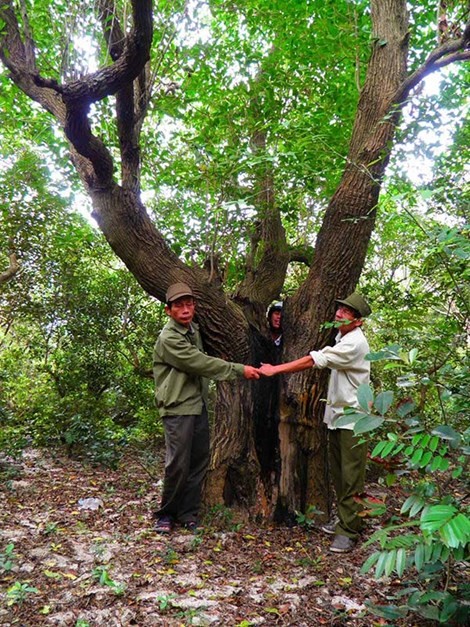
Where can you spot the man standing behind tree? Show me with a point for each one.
(266, 406)
(349, 369)
(180, 368)
(275, 324)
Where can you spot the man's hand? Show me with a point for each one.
(267, 370)
(250, 372)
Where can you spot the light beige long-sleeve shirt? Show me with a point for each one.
(349, 370)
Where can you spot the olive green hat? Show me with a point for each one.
(177, 290)
(358, 303)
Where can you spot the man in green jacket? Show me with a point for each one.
(181, 370)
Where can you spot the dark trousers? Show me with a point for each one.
(348, 469)
(186, 462)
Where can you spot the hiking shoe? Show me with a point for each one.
(191, 526)
(330, 527)
(342, 544)
(163, 525)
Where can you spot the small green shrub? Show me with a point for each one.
(307, 519)
(221, 517)
(19, 592)
(7, 558)
(102, 575)
(432, 533)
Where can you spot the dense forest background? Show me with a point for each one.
(238, 98)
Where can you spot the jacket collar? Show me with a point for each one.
(172, 324)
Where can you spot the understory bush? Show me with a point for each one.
(426, 545)
(40, 407)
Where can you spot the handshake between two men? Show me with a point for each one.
(267, 370)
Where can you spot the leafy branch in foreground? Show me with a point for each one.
(429, 541)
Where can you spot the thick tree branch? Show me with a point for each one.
(28, 41)
(14, 268)
(108, 80)
(269, 258)
(112, 30)
(450, 52)
(78, 95)
(301, 254)
(128, 113)
(133, 55)
(267, 265)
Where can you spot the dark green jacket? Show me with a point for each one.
(181, 370)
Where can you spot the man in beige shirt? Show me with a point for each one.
(349, 369)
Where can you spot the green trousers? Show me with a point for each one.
(186, 460)
(348, 469)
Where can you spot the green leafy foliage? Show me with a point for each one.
(222, 518)
(76, 331)
(102, 575)
(418, 419)
(242, 69)
(307, 518)
(435, 515)
(19, 592)
(7, 558)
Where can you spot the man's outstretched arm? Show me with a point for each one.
(304, 363)
(250, 372)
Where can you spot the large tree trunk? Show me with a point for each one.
(301, 479)
(339, 257)
(340, 251)
(245, 465)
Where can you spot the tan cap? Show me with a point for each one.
(358, 303)
(177, 290)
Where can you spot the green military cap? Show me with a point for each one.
(358, 303)
(178, 290)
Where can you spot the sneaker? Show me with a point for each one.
(191, 526)
(163, 525)
(330, 527)
(342, 544)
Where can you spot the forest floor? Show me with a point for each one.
(64, 565)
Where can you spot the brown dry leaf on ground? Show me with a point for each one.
(78, 567)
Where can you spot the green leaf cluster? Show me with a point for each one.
(76, 331)
(434, 530)
(102, 575)
(418, 420)
(19, 592)
(7, 558)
